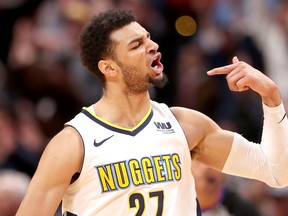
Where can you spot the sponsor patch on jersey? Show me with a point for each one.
(165, 128)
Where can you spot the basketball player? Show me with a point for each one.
(128, 155)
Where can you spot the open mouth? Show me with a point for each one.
(156, 64)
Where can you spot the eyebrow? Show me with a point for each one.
(138, 39)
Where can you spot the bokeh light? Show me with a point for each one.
(186, 25)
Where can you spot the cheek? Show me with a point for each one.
(138, 59)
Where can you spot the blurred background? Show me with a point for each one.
(43, 83)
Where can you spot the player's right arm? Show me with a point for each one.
(61, 159)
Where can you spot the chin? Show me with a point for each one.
(160, 81)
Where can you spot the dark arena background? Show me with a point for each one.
(43, 83)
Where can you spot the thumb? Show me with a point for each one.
(235, 59)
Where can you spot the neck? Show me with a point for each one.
(123, 110)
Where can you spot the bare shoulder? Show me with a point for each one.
(192, 118)
(65, 148)
(61, 159)
(184, 114)
(195, 124)
(67, 137)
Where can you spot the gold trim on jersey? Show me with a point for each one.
(88, 109)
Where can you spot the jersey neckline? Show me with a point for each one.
(116, 128)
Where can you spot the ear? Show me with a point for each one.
(107, 67)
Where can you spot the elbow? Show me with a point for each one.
(280, 178)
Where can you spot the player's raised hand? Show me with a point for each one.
(241, 76)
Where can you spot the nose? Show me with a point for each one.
(152, 46)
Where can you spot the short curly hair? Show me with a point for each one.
(95, 40)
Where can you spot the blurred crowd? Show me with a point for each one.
(43, 83)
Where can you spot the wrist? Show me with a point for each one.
(273, 99)
(275, 114)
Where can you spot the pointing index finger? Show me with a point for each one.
(222, 70)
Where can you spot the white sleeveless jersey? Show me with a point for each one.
(141, 171)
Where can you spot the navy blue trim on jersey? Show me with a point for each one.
(198, 208)
(69, 214)
(119, 130)
(282, 118)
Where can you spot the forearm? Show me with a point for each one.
(274, 140)
(267, 162)
(38, 206)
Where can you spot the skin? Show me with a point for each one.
(126, 96)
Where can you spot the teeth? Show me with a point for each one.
(155, 59)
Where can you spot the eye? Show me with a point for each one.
(136, 46)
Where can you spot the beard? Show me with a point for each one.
(159, 83)
(137, 83)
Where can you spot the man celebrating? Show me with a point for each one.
(128, 155)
